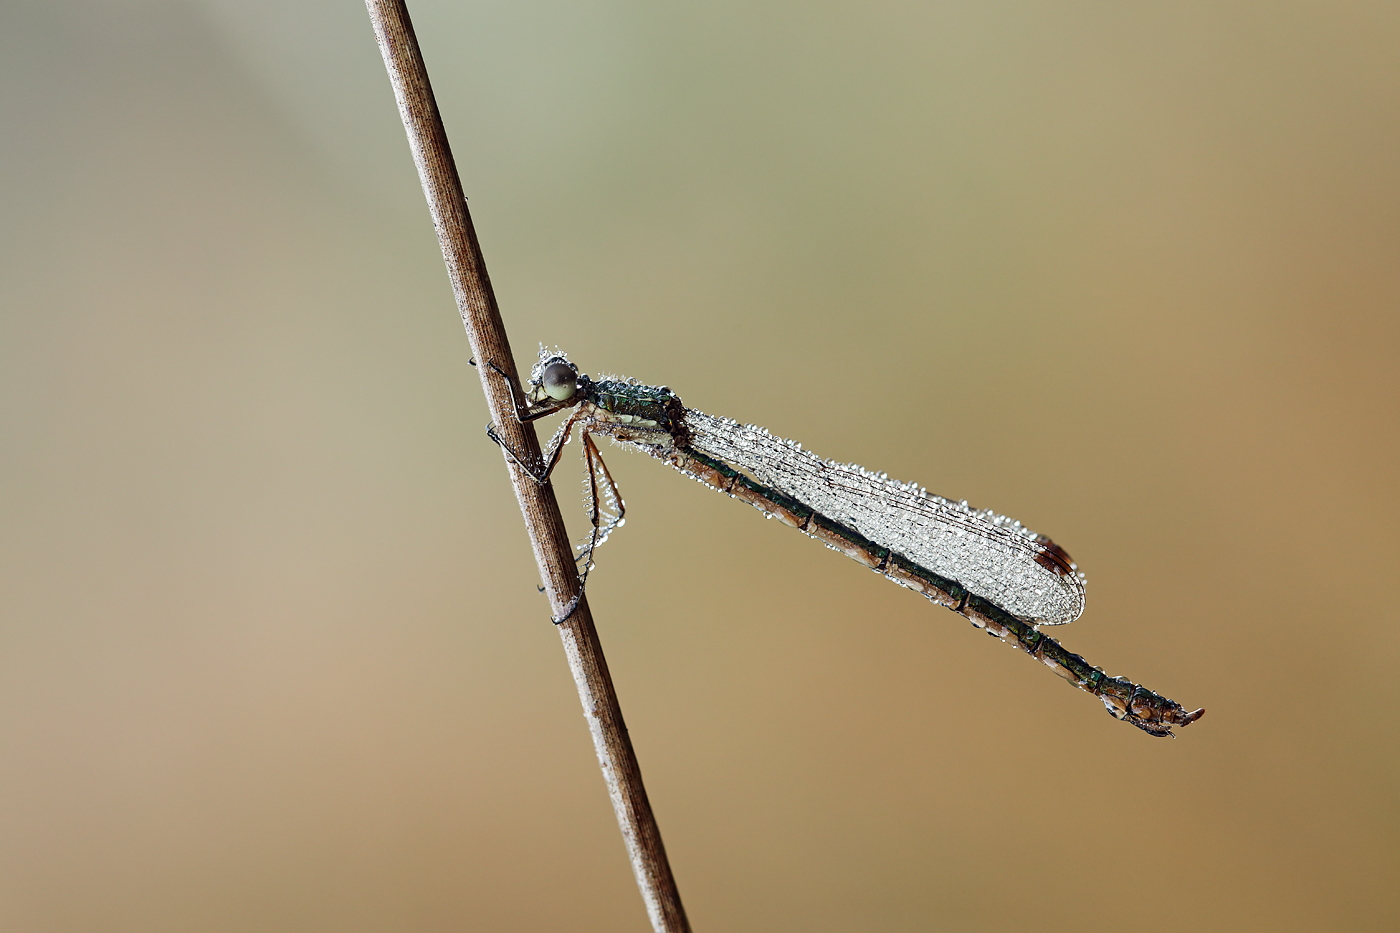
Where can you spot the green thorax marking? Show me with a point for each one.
(652, 403)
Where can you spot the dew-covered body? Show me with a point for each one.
(988, 568)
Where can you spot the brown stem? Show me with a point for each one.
(544, 524)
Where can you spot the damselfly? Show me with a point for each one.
(999, 575)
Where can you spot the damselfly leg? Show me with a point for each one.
(555, 386)
(606, 510)
(526, 413)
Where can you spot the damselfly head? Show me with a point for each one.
(553, 378)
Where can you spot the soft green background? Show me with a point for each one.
(272, 657)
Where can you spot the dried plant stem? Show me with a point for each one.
(482, 319)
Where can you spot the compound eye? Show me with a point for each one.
(559, 381)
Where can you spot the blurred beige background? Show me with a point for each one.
(272, 656)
